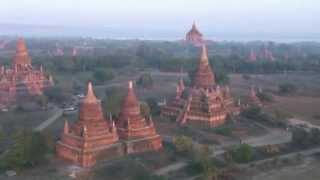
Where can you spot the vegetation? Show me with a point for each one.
(102, 75)
(242, 153)
(257, 114)
(287, 88)
(183, 144)
(154, 107)
(113, 100)
(304, 138)
(145, 80)
(145, 109)
(29, 150)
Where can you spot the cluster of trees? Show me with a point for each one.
(302, 137)
(29, 150)
(241, 154)
(257, 114)
(145, 81)
(287, 88)
(200, 161)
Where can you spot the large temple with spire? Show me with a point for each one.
(204, 102)
(94, 137)
(194, 36)
(22, 79)
(137, 132)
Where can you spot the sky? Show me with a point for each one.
(221, 16)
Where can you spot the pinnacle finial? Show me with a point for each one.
(130, 85)
(66, 127)
(204, 53)
(91, 97)
(194, 24)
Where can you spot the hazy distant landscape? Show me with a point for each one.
(165, 33)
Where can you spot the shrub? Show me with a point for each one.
(29, 150)
(183, 144)
(103, 75)
(287, 88)
(145, 80)
(242, 153)
(265, 97)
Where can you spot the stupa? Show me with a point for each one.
(92, 137)
(136, 132)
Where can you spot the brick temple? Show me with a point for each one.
(92, 137)
(204, 102)
(137, 132)
(22, 79)
(194, 36)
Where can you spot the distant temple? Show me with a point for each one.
(205, 102)
(252, 56)
(93, 137)
(21, 79)
(253, 99)
(194, 36)
(137, 132)
(267, 54)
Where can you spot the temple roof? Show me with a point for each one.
(130, 103)
(204, 77)
(21, 56)
(90, 108)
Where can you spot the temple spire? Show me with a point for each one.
(204, 55)
(66, 127)
(21, 57)
(91, 97)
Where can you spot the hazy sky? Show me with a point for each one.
(241, 16)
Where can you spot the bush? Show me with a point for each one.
(242, 153)
(145, 109)
(183, 144)
(287, 88)
(246, 76)
(265, 97)
(225, 131)
(145, 80)
(303, 138)
(29, 150)
(154, 107)
(103, 75)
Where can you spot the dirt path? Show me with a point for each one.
(50, 120)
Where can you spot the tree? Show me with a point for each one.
(57, 94)
(242, 153)
(300, 136)
(183, 144)
(113, 100)
(287, 88)
(315, 136)
(102, 75)
(154, 107)
(145, 109)
(145, 80)
(42, 101)
(29, 150)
